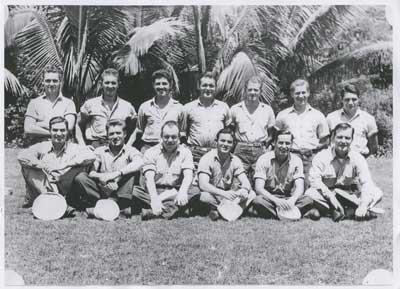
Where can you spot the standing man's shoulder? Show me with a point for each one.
(237, 106)
(191, 105)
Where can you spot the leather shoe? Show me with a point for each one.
(313, 214)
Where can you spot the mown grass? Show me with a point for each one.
(79, 251)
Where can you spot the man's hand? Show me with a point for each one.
(156, 206)
(336, 205)
(291, 202)
(104, 178)
(230, 195)
(361, 212)
(181, 199)
(282, 204)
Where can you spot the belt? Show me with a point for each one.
(352, 187)
(165, 187)
(296, 151)
(252, 144)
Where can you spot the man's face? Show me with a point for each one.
(253, 92)
(283, 145)
(350, 102)
(59, 133)
(161, 86)
(170, 138)
(300, 95)
(52, 83)
(342, 141)
(225, 143)
(110, 85)
(116, 136)
(207, 87)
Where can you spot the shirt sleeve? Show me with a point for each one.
(187, 162)
(97, 161)
(181, 121)
(238, 167)
(132, 112)
(280, 123)
(141, 120)
(31, 110)
(316, 173)
(149, 161)
(323, 128)
(70, 109)
(363, 173)
(82, 155)
(227, 116)
(298, 171)
(204, 165)
(261, 169)
(31, 156)
(372, 128)
(271, 117)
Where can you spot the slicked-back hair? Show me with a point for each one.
(116, 122)
(226, 130)
(170, 123)
(162, 73)
(254, 79)
(57, 119)
(207, 74)
(110, 71)
(350, 88)
(299, 82)
(53, 69)
(343, 126)
(283, 132)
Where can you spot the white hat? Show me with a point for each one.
(106, 210)
(49, 206)
(378, 277)
(293, 214)
(12, 278)
(229, 210)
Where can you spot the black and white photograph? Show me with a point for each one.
(198, 144)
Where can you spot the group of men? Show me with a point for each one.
(193, 157)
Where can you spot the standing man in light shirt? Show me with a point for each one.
(156, 111)
(204, 117)
(253, 122)
(308, 125)
(114, 172)
(168, 167)
(365, 129)
(53, 162)
(340, 168)
(97, 112)
(51, 104)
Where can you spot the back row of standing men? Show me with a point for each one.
(199, 121)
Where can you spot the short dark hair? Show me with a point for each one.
(226, 130)
(208, 74)
(169, 123)
(51, 68)
(254, 79)
(299, 82)
(162, 73)
(116, 122)
(343, 126)
(57, 119)
(350, 88)
(283, 132)
(110, 71)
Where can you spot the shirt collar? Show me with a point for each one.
(342, 112)
(177, 151)
(308, 107)
(333, 153)
(58, 98)
(212, 104)
(63, 149)
(216, 157)
(171, 101)
(116, 101)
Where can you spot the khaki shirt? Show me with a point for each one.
(43, 153)
(203, 123)
(168, 168)
(151, 118)
(279, 179)
(41, 109)
(99, 114)
(254, 127)
(363, 123)
(307, 127)
(328, 171)
(221, 175)
(107, 162)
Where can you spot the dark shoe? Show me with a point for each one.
(147, 214)
(90, 213)
(312, 214)
(337, 216)
(69, 212)
(214, 215)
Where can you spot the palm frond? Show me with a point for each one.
(12, 84)
(142, 39)
(15, 22)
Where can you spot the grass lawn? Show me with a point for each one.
(194, 250)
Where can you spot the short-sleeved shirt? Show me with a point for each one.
(151, 118)
(307, 127)
(328, 171)
(221, 175)
(279, 179)
(43, 153)
(106, 161)
(204, 122)
(98, 114)
(168, 167)
(253, 127)
(363, 123)
(42, 109)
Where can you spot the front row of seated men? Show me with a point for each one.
(168, 187)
